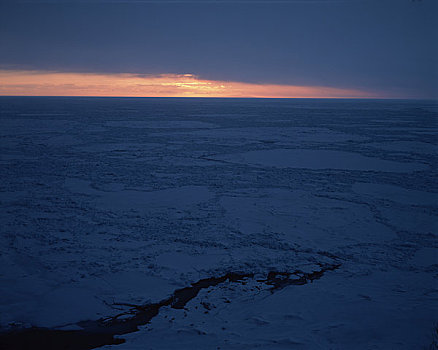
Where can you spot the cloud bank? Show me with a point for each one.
(40, 83)
(385, 46)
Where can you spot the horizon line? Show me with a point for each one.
(228, 97)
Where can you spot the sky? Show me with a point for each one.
(246, 48)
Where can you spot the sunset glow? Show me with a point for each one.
(41, 83)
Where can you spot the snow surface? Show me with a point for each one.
(109, 201)
(320, 159)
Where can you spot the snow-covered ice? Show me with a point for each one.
(111, 203)
(320, 159)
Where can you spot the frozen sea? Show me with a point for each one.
(328, 207)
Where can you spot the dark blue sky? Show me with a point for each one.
(367, 44)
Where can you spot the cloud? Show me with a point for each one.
(44, 83)
(366, 45)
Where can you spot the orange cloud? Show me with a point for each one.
(42, 83)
